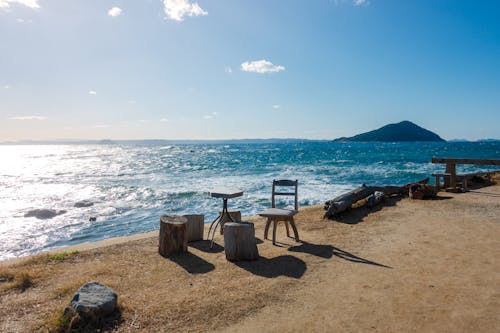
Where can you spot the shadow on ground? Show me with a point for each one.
(286, 265)
(192, 263)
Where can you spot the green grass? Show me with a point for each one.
(62, 255)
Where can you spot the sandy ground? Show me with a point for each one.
(410, 266)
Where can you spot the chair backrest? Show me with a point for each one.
(287, 183)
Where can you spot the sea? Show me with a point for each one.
(129, 186)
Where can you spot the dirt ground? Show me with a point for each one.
(409, 266)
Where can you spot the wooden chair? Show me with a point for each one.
(274, 215)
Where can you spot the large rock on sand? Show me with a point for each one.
(94, 301)
(44, 214)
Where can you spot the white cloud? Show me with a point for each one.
(6, 86)
(28, 118)
(261, 66)
(177, 9)
(100, 126)
(276, 106)
(210, 116)
(360, 2)
(114, 12)
(228, 70)
(92, 92)
(33, 4)
(132, 101)
(163, 120)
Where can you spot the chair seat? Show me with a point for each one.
(277, 212)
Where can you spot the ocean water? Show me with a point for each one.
(130, 186)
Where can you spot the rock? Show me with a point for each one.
(94, 301)
(83, 203)
(92, 219)
(44, 214)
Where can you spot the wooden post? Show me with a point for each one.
(451, 168)
(239, 241)
(195, 227)
(173, 235)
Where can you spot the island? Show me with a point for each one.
(405, 131)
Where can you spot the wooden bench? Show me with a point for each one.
(450, 176)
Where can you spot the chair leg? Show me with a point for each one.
(296, 233)
(266, 228)
(287, 229)
(274, 231)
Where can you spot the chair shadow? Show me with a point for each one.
(286, 265)
(204, 246)
(327, 251)
(353, 258)
(323, 251)
(192, 263)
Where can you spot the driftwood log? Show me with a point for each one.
(173, 235)
(345, 201)
(239, 241)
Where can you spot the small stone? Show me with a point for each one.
(94, 301)
(83, 203)
(93, 219)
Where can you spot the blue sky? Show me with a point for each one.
(220, 69)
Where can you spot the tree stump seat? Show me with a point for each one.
(239, 241)
(173, 235)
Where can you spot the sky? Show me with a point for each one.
(231, 69)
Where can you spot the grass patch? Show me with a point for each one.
(62, 255)
(15, 281)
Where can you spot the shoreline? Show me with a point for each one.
(406, 266)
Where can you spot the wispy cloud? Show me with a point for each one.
(115, 11)
(228, 70)
(6, 86)
(33, 4)
(92, 92)
(21, 20)
(132, 101)
(33, 117)
(360, 2)
(210, 116)
(261, 66)
(276, 106)
(164, 120)
(100, 126)
(177, 9)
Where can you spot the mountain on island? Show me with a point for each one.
(403, 131)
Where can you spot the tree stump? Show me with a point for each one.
(173, 235)
(236, 216)
(195, 226)
(239, 241)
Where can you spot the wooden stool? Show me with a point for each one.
(239, 241)
(173, 235)
(195, 227)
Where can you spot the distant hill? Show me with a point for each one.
(403, 131)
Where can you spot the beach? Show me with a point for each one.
(407, 266)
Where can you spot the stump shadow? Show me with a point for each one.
(285, 265)
(192, 263)
(204, 246)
